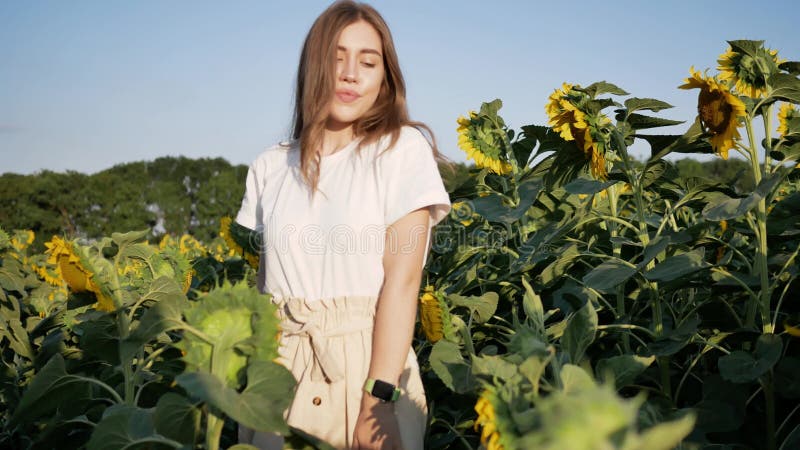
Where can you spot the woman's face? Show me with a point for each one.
(359, 74)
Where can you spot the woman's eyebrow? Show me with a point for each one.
(363, 50)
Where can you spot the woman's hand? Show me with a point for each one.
(376, 426)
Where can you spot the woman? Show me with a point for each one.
(346, 211)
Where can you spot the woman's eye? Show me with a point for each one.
(368, 64)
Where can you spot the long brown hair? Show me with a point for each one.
(316, 80)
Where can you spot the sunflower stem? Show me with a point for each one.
(617, 252)
(768, 139)
(762, 303)
(644, 237)
(769, 398)
(214, 426)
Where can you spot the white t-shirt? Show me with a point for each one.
(333, 246)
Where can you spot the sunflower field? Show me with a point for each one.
(576, 298)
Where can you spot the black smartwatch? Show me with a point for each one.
(383, 391)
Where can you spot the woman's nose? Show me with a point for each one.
(348, 70)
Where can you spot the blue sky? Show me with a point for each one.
(85, 85)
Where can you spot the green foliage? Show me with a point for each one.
(101, 375)
(590, 301)
(168, 195)
(669, 281)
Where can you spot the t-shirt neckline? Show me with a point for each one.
(342, 151)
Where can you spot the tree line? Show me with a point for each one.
(178, 195)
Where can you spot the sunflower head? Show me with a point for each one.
(718, 109)
(46, 272)
(22, 239)
(167, 241)
(5, 240)
(230, 230)
(190, 247)
(788, 120)
(67, 259)
(747, 66)
(434, 314)
(494, 431)
(573, 116)
(74, 267)
(463, 212)
(480, 136)
(225, 233)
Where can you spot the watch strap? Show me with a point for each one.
(382, 390)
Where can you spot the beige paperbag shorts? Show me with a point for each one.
(327, 344)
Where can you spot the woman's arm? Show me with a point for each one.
(404, 250)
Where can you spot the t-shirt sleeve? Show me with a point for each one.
(413, 179)
(249, 215)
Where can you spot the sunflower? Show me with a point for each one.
(133, 266)
(5, 241)
(487, 419)
(434, 314)
(22, 239)
(748, 73)
(718, 109)
(68, 264)
(187, 280)
(485, 154)
(167, 241)
(573, 124)
(463, 212)
(225, 233)
(786, 113)
(792, 327)
(252, 259)
(50, 276)
(74, 270)
(58, 293)
(236, 249)
(191, 247)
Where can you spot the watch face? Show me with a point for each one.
(383, 390)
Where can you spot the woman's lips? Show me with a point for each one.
(347, 96)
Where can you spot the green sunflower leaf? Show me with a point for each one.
(260, 406)
(125, 426)
(580, 331)
(785, 87)
(123, 239)
(534, 310)
(649, 104)
(742, 367)
(746, 46)
(792, 67)
(731, 208)
(177, 418)
(641, 122)
(490, 109)
(50, 388)
(481, 307)
(608, 275)
(678, 266)
(690, 142)
(667, 435)
(587, 186)
(449, 365)
(603, 87)
(623, 368)
(574, 379)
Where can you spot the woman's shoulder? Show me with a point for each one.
(409, 139)
(410, 135)
(274, 154)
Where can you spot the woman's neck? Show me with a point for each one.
(335, 138)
